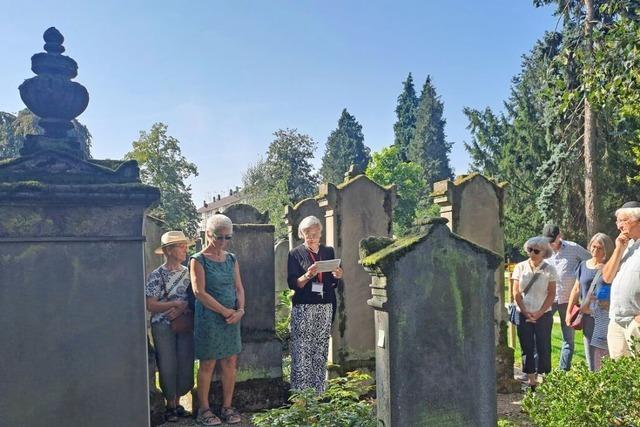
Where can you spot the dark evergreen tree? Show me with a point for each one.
(345, 147)
(405, 127)
(429, 147)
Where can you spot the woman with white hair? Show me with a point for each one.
(595, 317)
(167, 299)
(534, 289)
(313, 301)
(215, 277)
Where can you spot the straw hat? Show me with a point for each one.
(171, 238)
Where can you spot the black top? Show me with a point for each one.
(298, 263)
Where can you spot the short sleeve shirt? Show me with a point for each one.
(625, 289)
(565, 262)
(176, 283)
(537, 293)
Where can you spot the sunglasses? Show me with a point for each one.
(535, 251)
(227, 237)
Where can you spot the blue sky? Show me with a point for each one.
(224, 75)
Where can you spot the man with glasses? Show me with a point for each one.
(566, 257)
(623, 272)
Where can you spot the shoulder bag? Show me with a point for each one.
(576, 313)
(183, 323)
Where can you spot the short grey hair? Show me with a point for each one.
(218, 222)
(632, 212)
(307, 223)
(539, 242)
(606, 242)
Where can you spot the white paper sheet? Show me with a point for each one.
(328, 265)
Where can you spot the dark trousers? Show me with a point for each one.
(536, 338)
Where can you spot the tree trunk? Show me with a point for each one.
(590, 135)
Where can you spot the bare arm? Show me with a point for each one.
(239, 313)
(197, 284)
(612, 266)
(172, 309)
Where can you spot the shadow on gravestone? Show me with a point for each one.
(71, 250)
(432, 295)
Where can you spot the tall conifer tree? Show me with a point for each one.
(345, 147)
(405, 127)
(429, 147)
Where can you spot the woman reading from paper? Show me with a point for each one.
(313, 303)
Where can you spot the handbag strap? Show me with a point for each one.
(165, 293)
(585, 303)
(534, 278)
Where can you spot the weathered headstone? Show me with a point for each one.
(473, 204)
(74, 351)
(293, 215)
(259, 378)
(433, 301)
(281, 256)
(355, 209)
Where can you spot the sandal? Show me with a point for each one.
(182, 413)
(170, 415)
(230, 415)
(207, 418)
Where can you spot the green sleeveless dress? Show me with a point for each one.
(214, 338)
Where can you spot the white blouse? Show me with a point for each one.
(537, 293)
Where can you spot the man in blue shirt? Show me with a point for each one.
(566, 257)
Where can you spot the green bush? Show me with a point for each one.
(341, 405)
(577, 398)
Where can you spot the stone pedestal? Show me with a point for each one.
(433, 302)
(72, 300)
(71, 294)
(354, 210)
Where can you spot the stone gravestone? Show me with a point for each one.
(473, 204)
(259, 378)
(355, 209)
(281, 256)
(433, 302)
(71, 267)
(294, 214)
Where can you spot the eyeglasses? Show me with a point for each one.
(535, 251)
(225, 237)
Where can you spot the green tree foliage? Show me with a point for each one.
(285, 177)
(405, 127)
(537, 145)
(163, 165)
(428, 147)
(14, 129)
(386, 168)
(345, 147)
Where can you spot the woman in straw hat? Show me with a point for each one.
(219, 293)
(168, 301)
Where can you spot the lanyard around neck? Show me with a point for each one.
(313, 257)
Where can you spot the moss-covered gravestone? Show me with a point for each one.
(74, 351)
(433, 301)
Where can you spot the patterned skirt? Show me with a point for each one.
(310, 331)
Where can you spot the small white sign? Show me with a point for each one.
(381, 338)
